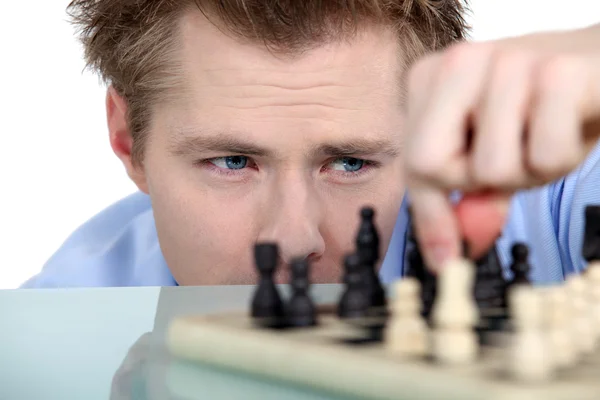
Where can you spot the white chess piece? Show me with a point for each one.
(581, 322)
(454, 314)
(560, 341)
(529, 357)
(407, 333)
(593, 280)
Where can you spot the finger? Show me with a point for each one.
(421, 79)
(591, 134)
(481, 218)
(436, 149)
(497, 157)
(590, 106)
(435, 225)
(555, 145)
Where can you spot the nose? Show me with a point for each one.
(292, 220)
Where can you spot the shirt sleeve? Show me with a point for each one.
(551, 221)
(117, 247)
(583, 189)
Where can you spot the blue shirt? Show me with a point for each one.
(119, 246)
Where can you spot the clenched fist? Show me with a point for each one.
(489, 119)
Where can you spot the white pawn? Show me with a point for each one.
(406, 334)
(582, 327)
(529, 357)
(593, 280)
(455, 314)
(560, 341)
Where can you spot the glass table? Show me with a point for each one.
(109, 344)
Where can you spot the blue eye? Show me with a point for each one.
(236, 162)
(230, 162)
(348, 164)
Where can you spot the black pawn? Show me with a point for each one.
(414, 262)
(367, 239)
(520, 264)
(301, 311)
(354, 301)
(367, 249)
(267, 307)
(490, 294)
(591, 237)
(416, 268)
(490, 285)
(427, 279)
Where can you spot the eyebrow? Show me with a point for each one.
(185, 143)
(362, 147)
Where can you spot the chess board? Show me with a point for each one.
(331, 359)
(342, 356)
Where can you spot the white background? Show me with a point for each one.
(56, 166)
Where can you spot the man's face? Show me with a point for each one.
(263, 148)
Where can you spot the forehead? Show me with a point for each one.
(209, 55)
(335, 93)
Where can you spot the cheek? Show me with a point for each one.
(205, 238)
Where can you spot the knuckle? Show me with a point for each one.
(548, 166)
(456, 57)
(414, 167)
(508, 63)
(559, 72)
(419, 73)
(490, 173)
(418, 165)
(419, 68)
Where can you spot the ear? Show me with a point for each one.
(121, 140)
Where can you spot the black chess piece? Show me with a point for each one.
(367, 249)
(367, 239)
(267, 307)
(591, 237)
(354, 301)
(300, 311)
(520, 264)
(415, 267)
(490, 285)
(490, 295)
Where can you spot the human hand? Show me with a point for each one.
(492, 118)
